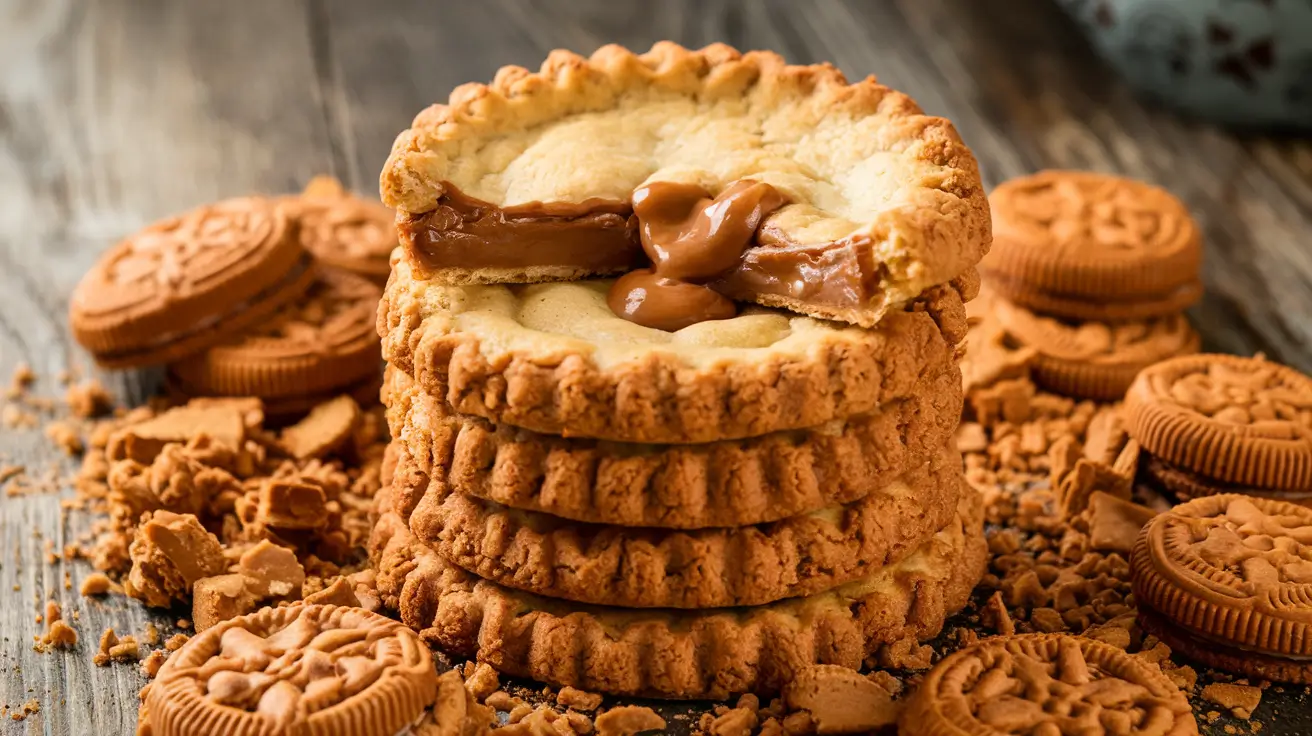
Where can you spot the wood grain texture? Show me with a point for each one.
(115, 112)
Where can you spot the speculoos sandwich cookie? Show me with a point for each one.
(1088, 246)
(727, 483)
(704, 568)
(1230, 420)
(708, 653)
(1226, 581)
(555, 359)
(190, 281)
(1046, 684)
(299, 669)
(346, 231)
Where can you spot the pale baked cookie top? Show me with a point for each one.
(858, 162)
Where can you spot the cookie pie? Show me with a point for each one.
(728, 175)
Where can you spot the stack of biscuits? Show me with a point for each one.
(254, 296)
(1091, 274)
(731, 462)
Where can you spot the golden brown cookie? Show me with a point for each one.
(704, 568)
(1094, 360)
(346, 231)
(883, 202)
(553, 358)
(1245, 421)
(728, 483)
(1089, 246)
(321, 344)
(678, 654)
(1046, 684)
(1228, 579)
(188, 282)
(311, 669)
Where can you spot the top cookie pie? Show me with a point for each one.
(531, 178)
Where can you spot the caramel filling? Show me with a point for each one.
(690, 238)
(703, 244)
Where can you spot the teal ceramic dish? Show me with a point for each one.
(1239, 62)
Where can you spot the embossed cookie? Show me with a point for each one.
(311, 669)
(323, 343)
(728, 483)
(188, 282)
(553, 358)
(1094, 360)
(534, 177)
(1046, 684)
(678, 654)
(1089, 246)
(346, 231)
(704, 568)
(1227, 581)
(1244, 421)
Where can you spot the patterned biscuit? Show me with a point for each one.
(727, 483)
(553, 358)
(705, 568)
(1046, 684)
(188, 282)
(345, 231)
(678, 654)
(320, 344)
(1245, 421)
(304, 669)
(1232, 572)
(1089, 246)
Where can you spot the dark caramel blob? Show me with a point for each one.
(691, 238)
(650, 300)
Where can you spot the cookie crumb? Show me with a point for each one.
(151, 665)
(59, 634)
(65, 436)
(175, 642)
(88, 400)
(1241, 700)
(627, 720)
(839, 700)
(481, 680)
(578, 699)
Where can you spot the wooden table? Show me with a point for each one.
(116, 112)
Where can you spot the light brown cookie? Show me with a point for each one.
(705, 568)
(188, 282)
(728, 483)
(553, 358)
(1088, 246)
(1046, 684)
(1245, 421)
(346, 231)
(311, 669)
(320, 344)
(1228, 580)
(883, 202)
(1094, 360)
(678, 654)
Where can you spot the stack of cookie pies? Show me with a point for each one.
(254, 296)
(1092, 273)
(731, 461)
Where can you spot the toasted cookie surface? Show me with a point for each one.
(296, 669)
(1236, 420)
(1046, 683)
(554, 358)
(1089, 246)
(695, 654)
(188, 282)
(718, 484)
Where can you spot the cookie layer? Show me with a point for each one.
(1046, 683)
(864, 171)
(1220, 656)
(704, 568)
(1232, 569)
(678, 654)
(323, 342)
(553, 358)
(1081, 245)
(728, 483)
(1093, 360)
(1238, 420)
(188, 282)
(313, 669)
